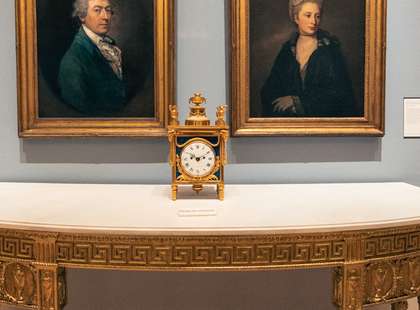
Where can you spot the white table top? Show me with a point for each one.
(148, 209)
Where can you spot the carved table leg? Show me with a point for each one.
(401, 305)
(30, 284)
(18, 283)
(50, 283)
(348, 287)
(51, 288)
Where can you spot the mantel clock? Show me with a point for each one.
(197, 149)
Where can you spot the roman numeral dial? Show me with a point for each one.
(198, 159)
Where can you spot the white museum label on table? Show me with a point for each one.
(196, 212)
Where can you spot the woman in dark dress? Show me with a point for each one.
(309, 77)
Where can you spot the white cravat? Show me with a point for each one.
(108, 49)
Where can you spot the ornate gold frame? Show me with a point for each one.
(371, 124)
(372, 266)
(30, 125)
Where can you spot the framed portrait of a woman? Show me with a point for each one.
(307, 67)
(94, 67)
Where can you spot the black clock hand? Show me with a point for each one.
(204, 156)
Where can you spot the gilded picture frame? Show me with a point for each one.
(45, 30)
(259, 29)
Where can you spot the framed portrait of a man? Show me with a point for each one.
(94, 67)
(307, 67)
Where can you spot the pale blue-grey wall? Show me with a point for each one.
(201, 35)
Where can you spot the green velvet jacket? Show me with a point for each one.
(87, 81)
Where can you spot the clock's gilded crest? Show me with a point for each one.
(197, 116)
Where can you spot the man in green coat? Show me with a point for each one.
(90, 76)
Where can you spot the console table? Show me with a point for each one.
(369, 232)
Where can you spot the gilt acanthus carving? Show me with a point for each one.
(386, 280)
(47, 290)
(18, 285)
(353, 298)
(380, 279)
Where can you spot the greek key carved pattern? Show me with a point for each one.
(16, 247)
(392, 244)
(182, 253)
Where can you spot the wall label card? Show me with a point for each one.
(411, 117)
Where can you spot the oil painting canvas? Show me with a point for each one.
(95, 61)
(303, 66)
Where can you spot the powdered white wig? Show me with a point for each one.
(296, 5)
(80, 8)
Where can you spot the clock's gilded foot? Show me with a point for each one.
(174, 191)
(197, 188)
(221, 191)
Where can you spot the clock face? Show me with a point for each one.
(198, 159)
